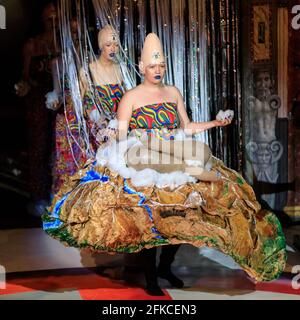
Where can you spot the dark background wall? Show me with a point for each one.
(22, 22)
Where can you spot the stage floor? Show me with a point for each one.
(37, 268)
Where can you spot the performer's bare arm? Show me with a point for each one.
(83, 82)
(124, 114)
(190, 127)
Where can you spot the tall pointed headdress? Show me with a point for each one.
(107, 34)
(152, 52)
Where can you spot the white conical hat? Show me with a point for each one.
(107, 34)
(152, 52)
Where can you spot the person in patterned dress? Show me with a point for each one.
(112, 207)
(102, 95)
(69, 150)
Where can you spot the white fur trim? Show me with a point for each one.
(222, 115)
(95, 116)
(180, 135)
(51, 99)
(113, 156)
(194, 163)
(113, 124)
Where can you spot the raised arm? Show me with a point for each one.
(190, 127)
(124, 114)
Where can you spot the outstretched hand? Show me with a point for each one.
(223, 123)
(224, 118)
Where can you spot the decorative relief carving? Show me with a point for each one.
(263, 149)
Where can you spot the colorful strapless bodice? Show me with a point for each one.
(110, 95)
(102, 102)
(106, 97)
(155, 116)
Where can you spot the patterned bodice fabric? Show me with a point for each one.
(155, 116)
(106, 97)
(110, 96)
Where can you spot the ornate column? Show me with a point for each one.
(265, 101)
(264, 151)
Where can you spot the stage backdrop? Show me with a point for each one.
(201, 43)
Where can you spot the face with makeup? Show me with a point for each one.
(110, 50)
(108, 43)
(155, 72)
(152, 64)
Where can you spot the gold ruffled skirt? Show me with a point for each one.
(100, 210)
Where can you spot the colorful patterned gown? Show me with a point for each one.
(69, 153)
(106, 97)
(100, 210)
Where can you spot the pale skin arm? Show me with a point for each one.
(190, 127)
(124, 114)
(83, 83)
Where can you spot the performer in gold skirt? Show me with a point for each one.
(117, 205)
